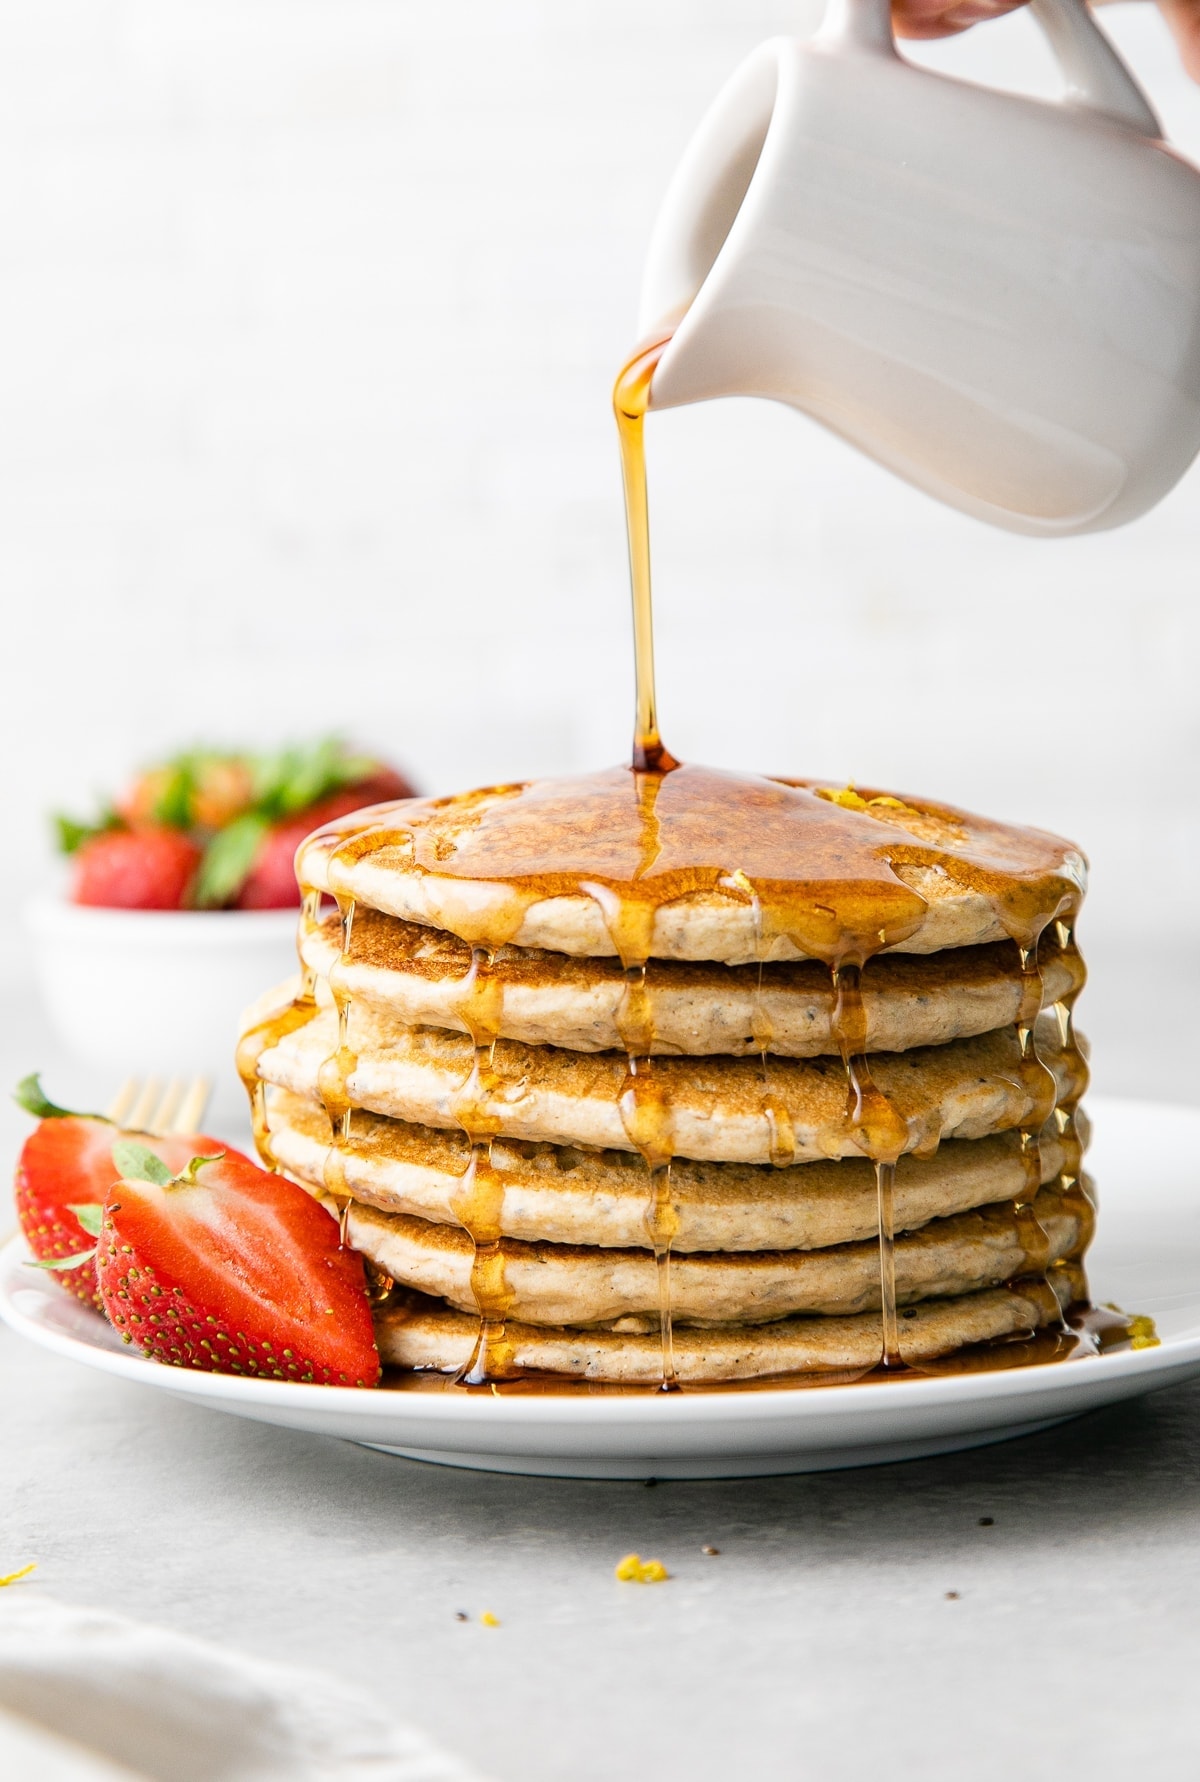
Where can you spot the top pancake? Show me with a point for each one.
(695, 864)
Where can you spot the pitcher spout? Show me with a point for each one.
(996, 297)
(699, 214)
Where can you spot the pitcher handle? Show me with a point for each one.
(1096, 77)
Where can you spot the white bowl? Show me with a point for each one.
(158, 992)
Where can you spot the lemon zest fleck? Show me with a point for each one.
(15, 1577)
(850, 800)
(846, 796)
(488, 1619)
(633, 1569)
(1141, 1328)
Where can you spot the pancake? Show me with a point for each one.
(696, 864)
(570, 1196)
(559, 1284)
(416, 975)
(416, 1332)
(715, 1110)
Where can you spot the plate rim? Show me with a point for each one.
(1040, 1382)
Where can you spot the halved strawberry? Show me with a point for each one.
(226, 1268)
(59, 1168)
(66, 1163)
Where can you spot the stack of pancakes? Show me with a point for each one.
(596, 1114)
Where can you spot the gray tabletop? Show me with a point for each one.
(853, 1624)
(823, 1639)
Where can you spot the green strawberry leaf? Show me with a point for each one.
(138, 1163)
(226, 862)
(70, 833)
(65, 1261)
(30, 1095)
(173, 806)
(90, 1215)
(301, 775)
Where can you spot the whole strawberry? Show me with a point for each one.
(271, 881)
(64, 1172)
(229, 1269)
(135, 869)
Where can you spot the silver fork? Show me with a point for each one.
(150, 1105)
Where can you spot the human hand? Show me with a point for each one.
(942, 18)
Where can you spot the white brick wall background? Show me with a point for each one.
(310, 312)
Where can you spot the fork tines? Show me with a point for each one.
(152, 1106)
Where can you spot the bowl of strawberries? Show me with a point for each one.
(180, 903)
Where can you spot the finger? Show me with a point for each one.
(1183, 17)
(916, 19)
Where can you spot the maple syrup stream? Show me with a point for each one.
(644, 1109)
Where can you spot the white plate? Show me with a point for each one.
(1146, 1257)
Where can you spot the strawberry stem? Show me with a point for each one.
(30, 1095)
(187, 1175)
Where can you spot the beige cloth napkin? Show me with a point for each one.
(86, 1696)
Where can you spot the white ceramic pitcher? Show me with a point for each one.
(998, 297)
